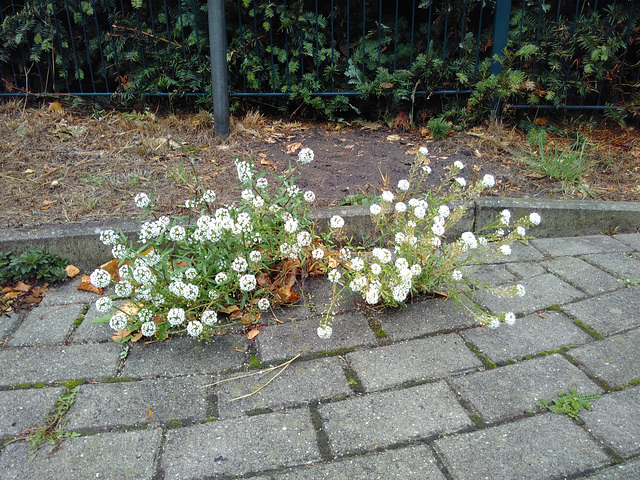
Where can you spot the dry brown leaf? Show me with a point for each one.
(286, 295)
(130, 308)
(11, 295)
(393, 138)
(136, 337)
(150, 414)
(112, 267)
(253, 333)
(46, 205)
(181, 264)
(263, 279)
(21, 287)
(29, 170)
(293, 147)
(55, 107)
(72, 271)
(87, 286)
(540, 121)
(120, 335)
(235, 315)
(230, 309)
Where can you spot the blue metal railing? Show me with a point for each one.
(587, 52)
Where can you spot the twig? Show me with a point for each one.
(284, 366)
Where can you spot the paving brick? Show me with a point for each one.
(627, 471)
(109, 405)
(582, 275)
(20, 409)
(66, 294)
(610, 313)
(50, 364)
(614, 420)
(240, 445)
(300, 382)
(411, 463)
(541, 292)
(286, 341)
(320, 293)
(631, 239)
(519, 253)
(88, 331)
(109, 456)
(511, 390)
(46, 326)
(184, 356)
(617, 264)
(529, 335)
(488, 274)
(415, 360)
(585, 245)
(382, 419)
(526, 269)
(541, 447)
(7, 324)
(424, 317)
(616, 360)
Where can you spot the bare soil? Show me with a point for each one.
(60, 166)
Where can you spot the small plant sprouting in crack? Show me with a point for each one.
(51, 431)
(569, 404)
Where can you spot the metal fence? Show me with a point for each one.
(586, 52)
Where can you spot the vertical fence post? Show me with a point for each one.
(219, 70)
(501, 19)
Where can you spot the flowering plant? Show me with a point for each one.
(238, 260)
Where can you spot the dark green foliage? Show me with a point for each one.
(439, 127)
(568, 404)
(35, 264)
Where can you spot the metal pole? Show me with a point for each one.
(219, 69)
(500, 32)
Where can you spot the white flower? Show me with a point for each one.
(357, 264)
(372, 296)
(336, 222)
(244, 171)
(426, 169)
(461, 181)
(458, 164)
(291, 225)
(416, 269)
(104, 304)
(324, 332)
(423, 151)
(263, 304)
(401, 263)
(143, 275)
(190, 273)
(505, 217)
(488, 181)
(520, 291)
(376, 269)
(258, 202)
(175, 316)
(437, 229)
(305, 156)
(209, 317)
(100, 278)
(400, 292)
(177, 233)
(494, 323)
(145, 315)
(400, 238)
(239, 264)
(119, 251)
(194, 328)
(505, 249)
(456, 275)
(412, 224)
(444, 211)
(334, 276)
(419, 212)
(375, 209)
(500, 232)
(209, 196)
(221, 278)
(401, 207)
(247, 195)
(309, 196)
(534, 218)
(262, 182)
(255, 256)
(142, 200)
(403, 185)
(470, 240)
(382, 254)
(118, 321)
(317, 253)
(436, 242)
(509, 318)
(123, 288)
(304, 239)
(247, 282)
(108, 237)
(387, 196)
(521, 231)
(293, 190)
(148, 329)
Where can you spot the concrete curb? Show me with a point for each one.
(79, 243)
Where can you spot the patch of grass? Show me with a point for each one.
(629, 282)
(39, 385)
(488, 364)
(569, 404)
(588, 329)
(71, 384)
(254, 362)
(175, 424)
(359, 199)
(21, 386)
(439, 127)
(376, 326)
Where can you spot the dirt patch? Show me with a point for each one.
(58, 166)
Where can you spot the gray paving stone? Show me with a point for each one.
(382, 419)
(51, 364)
(610, 313)
(66, 294)
(627, 471)
(540, 292)
(287, 314)
(411, 463)
(424, 317)
(614, 420)
(519, 253)
(631, 239)
(427, 358)
(616, 360)
(507, 391)
(109, 405)
(20, 409)
(7, 324)
(320, 294)
(617, 264)
(582, 275)
(531, 334)
(185, 356)
(542, 447)
(88, 331)
(110, 456)
(237, 446)
(286, 341)
(526, 269)
(585, 245)
(300, 382)
(46, 326)
(488, 274)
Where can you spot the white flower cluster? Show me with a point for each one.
(142, 200)
(305, 156)
(150, 230)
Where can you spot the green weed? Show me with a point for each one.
(569, 404)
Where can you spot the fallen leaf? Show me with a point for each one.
(29, 170)
(230, 309)
(393, 138)
(87, 286)
(253, 333)
(120, 335)
(293, 147)
(150, 414)
(249, 318)
(112, 267)
(540, 121)
(55, 107)
(46, 205)
(235, 315)
(286, 295)
(11, 295)
(21, 287)
(130, 308)
(136, 337)
(72, 271)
